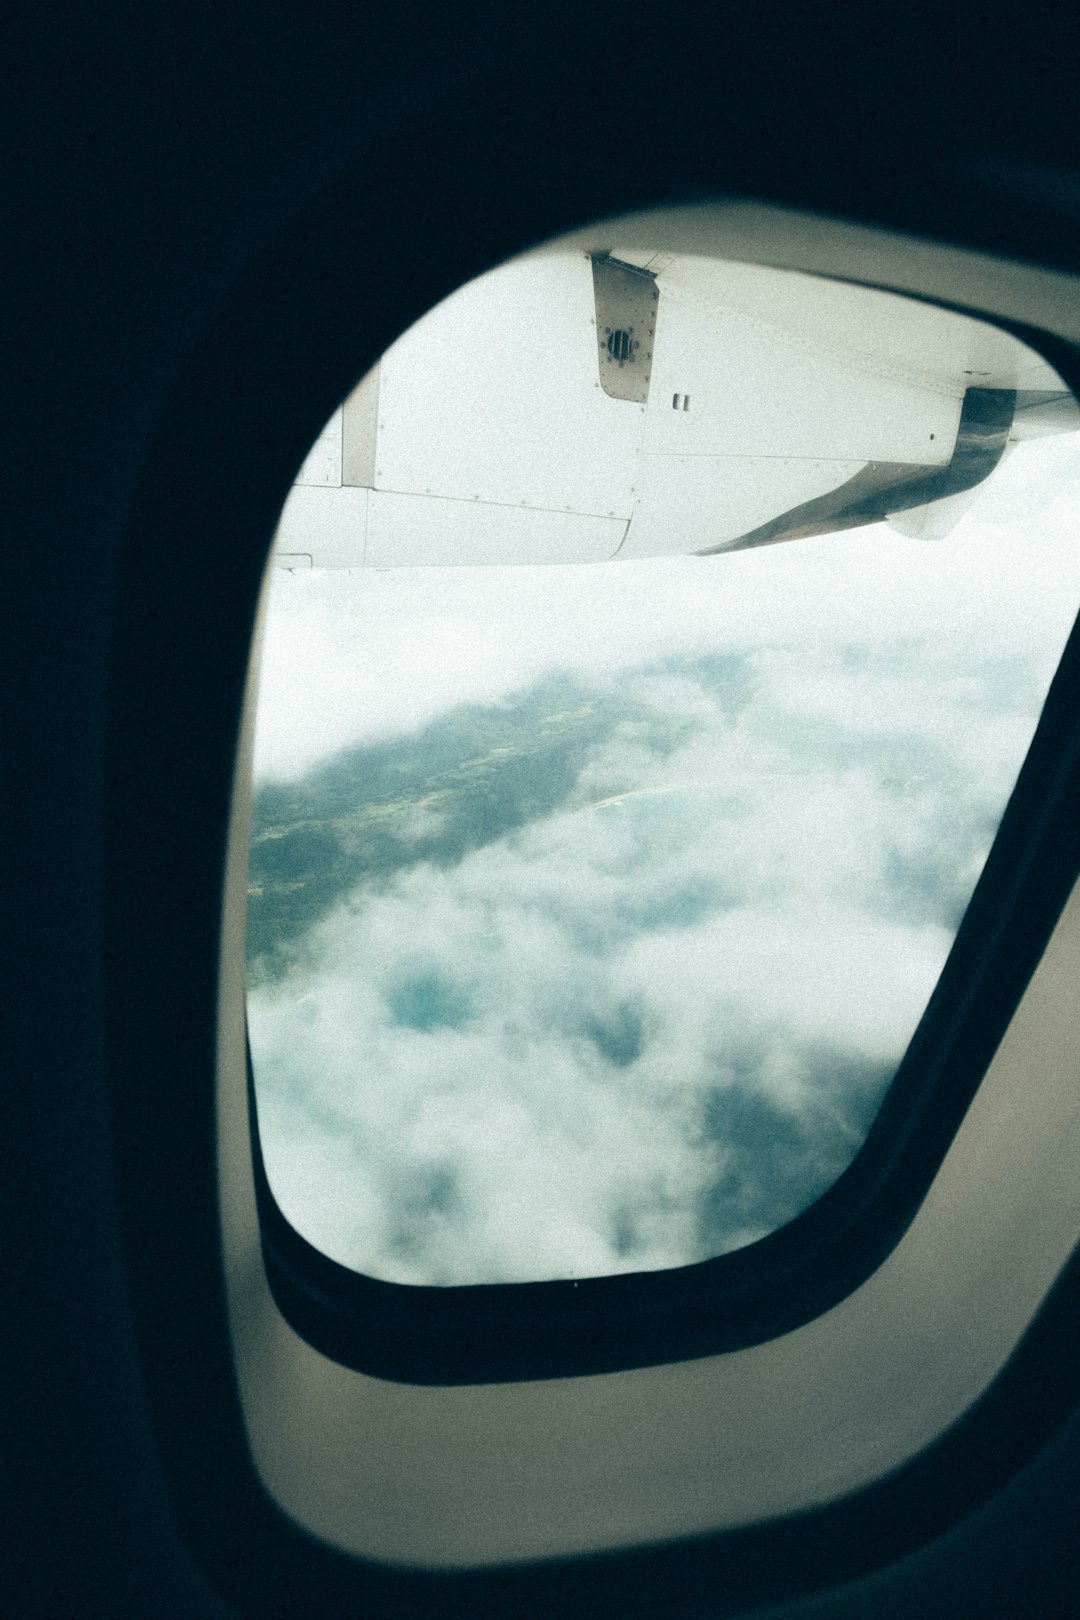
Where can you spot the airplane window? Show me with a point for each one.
(593, 902)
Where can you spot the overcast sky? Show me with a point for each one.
(643, 1012)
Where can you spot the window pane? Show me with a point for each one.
(592, 907)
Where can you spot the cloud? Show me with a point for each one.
(350, 658)
(593, 908)
(647, 1015)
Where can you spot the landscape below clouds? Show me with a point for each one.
(592, 909)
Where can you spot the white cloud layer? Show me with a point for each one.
(654, 1019)
(351, 656)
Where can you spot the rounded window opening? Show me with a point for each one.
(624, 771)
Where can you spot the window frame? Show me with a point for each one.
(509, 1332)
(290, 1521)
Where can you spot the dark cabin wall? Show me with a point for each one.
(156, 159)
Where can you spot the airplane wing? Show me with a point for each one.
(579, 406)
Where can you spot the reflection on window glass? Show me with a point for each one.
(593, 907)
